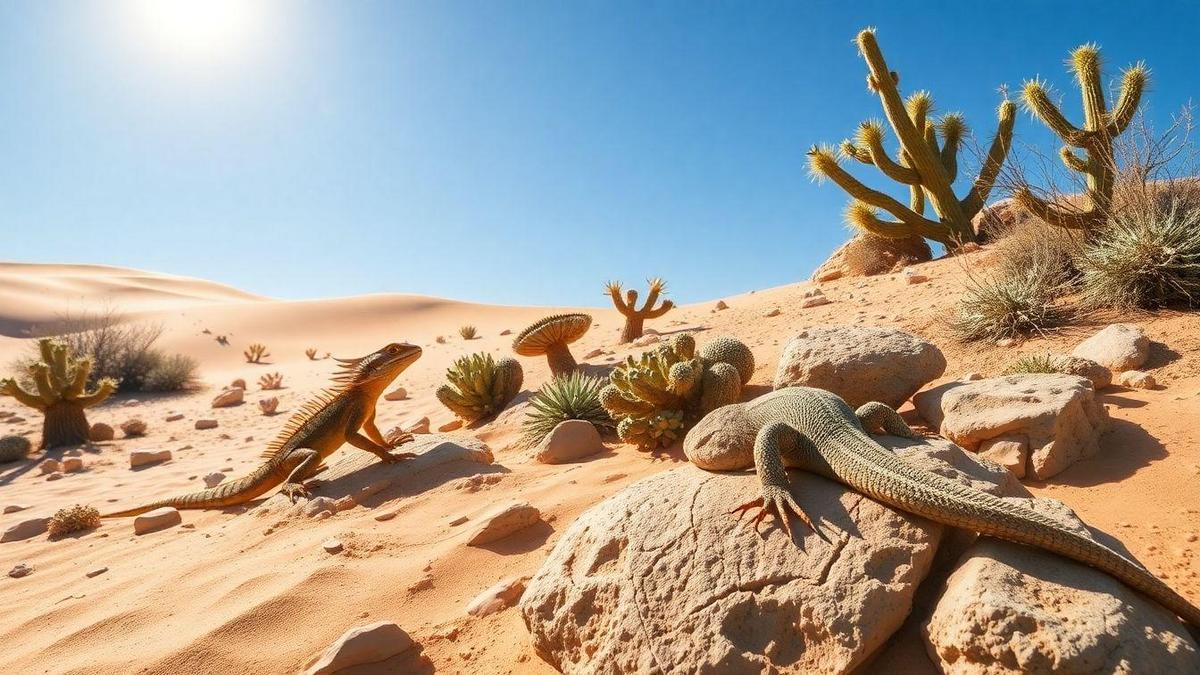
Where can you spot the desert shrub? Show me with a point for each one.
(468, 332)
(271, 381)
(174, 372)
(311, 353)
(14, 448)
(73, 519)
(255, 353)
(1146, 256)
(1012, 303)
(573, 396)
(1036, 363)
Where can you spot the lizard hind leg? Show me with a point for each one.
(876, 416)
(309, 465)
(774, 443)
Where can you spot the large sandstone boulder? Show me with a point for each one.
(868, 254)
(997, 220)
(662, 578)
(1014, 609)
(1057, 416)
(860, 363)
(1118, 347)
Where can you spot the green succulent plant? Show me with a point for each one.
(479, 386)
(59, 391)
(573, 396)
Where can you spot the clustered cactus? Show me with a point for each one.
(655, 398)
(271, 381)
(927, 164)
(574, 396)
(256, 353)
(1095, 139)
(634, 317)
(480, 386)
(59, 391)
(73, 519)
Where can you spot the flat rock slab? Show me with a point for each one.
(1015, 609)
(1056, 415)
(158, 519)
(29, 527)
(503, 522)
(362, 645)
(662, 578)
(139, 458)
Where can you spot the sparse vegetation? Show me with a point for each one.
(479, 386)
(59, 389)
(1036, 363)
(271, 381)
(73, 519)
(176, 372)
(573, 396)
(1011, 303)
(14, 448)
(311, 354)
(468, 332)
(256, 352)
(635, 318)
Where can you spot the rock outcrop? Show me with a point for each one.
(868, 254)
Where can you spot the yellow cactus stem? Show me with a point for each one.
(635, 318)
(60, 393)
(926, 165)
(1095, 138)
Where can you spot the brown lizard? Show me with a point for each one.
(815, 430)
(338, 415)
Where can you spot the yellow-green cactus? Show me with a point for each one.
(927, 165)
(59, 390)
(656, 397)
(1095, 139)
(480, 386)
(635, 318)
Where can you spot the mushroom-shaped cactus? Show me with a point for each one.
(634, 317)
(550, 336)
(60, 392)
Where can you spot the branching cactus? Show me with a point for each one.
(1095, 139)
(479, 386)
(655, 398)
(271, 381)
(61, 393)
(256, 353)
(927, 161)
(311, 353)
(635, 318)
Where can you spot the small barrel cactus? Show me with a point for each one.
(479, 386)
(14, 448)
(60, 392)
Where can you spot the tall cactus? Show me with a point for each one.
(635, 318)
(60, 393)
(927, 167)
(1095, 139)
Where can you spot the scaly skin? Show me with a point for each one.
(337, 416)
(816, 431)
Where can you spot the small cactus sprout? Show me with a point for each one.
(59, 391)
(550, 337)
(222, 340)
(655, 398)
(271, 381)
(14, 448)
(73, 519)
(311, 353)
(627, 305)
(480, 386)
(256, 353)
(574, 396)
(133, 428)
(268, 405)
(468, 332)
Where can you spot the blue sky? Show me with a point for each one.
(515, 152)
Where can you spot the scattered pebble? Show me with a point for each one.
(174, 417)
(452, 425)
(158, 519)
(146, 457)
(96, 572)
(397, 394)
(21, 570)
(503, 595)
(774, 311)
(332, 546)
(206, 424)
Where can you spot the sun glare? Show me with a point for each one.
(198, 29)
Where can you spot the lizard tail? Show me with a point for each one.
(232, 492)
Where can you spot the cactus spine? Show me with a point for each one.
(60, 393)
(1095, 139)
(634, 317)
(927, 168)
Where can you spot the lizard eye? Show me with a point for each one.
(393, 349)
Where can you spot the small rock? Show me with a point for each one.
(1010, 452)
(213, 479)
(1005, 342)
(145, 457)
(50, 466)
(1118, 347)
(238, 384)
(174, 417)
(503, 595)
(230, 397)
(386, 515)
(397, 394)
(912, 278)
(813, 298)
(458, 521)
(206, 424)
(647, 340)
(569, 441)
(158, 519)
(774, 311)
(21, 570)
(451, 426)
(504, 522)
(332, 546)
(96, 572)
(25, 529)
(345, 503)
(101, 432)
(506, 332)
(72, 464)
(13, 508)
(133, 428)
(721, 305)
(317, 505)
(54, 476)
(363, 645)
(971, 377)
(1137, 379)
(594, 353)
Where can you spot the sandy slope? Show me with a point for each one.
(241, 593)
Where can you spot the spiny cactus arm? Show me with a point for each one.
(849, 149)
(823, 164)
(1074, 161)
(40, 373)
(1133, 83)
(870, 135)
(865, 218)
(997, 153)
(104, 389)
(10, 387)
(1068, 218)
(46, 349)
(1038, 102)
(953, 127)
(74, 389)
(1085, 63)
(59, 378)
(614, 288)
(657, 287)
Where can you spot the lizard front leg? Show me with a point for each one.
(776, 444)
(308, 465)
(378, 449)
(876, 416)
(372, 432)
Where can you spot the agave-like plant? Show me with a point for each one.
(573, 396)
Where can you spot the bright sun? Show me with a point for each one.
(199, 29)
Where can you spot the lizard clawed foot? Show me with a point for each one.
(295, 491)
(400, 439)
(778, 502)
(392, 458)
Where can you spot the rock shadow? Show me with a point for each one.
(1124, 448)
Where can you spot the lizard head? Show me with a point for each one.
(380, 366)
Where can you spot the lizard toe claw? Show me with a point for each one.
(295, 492)
(400, 439)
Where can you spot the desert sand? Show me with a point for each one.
(233, 592)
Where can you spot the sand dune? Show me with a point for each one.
(243, 592)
